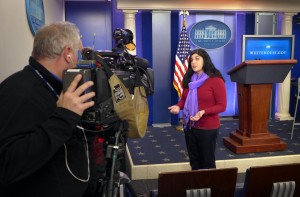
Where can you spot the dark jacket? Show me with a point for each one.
(33, 132)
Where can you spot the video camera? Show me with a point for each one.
(131, 70)
(134, 73)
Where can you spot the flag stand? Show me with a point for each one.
(180, 125)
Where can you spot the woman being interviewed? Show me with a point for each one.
(203, 98)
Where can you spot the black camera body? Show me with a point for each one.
(102, 112)
(130, 70)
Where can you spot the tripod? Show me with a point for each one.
(113, 183)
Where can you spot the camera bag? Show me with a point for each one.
(132, 108)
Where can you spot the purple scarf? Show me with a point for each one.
(191, 103)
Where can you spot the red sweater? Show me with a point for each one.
(212, 99)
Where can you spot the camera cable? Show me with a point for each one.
(87, 156)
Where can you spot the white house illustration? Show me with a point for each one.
(210, 32)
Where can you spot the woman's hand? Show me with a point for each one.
(198, 115)
(174, 109)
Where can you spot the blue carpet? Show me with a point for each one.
(167, 145)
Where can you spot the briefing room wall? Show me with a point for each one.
(117, 16)
(295, 72)
(144, 48)
(93, 18)
(225, 57)
(16, 38)
(175, 32)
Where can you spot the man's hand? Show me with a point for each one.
(74, 99)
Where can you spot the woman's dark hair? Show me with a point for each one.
(208, 67)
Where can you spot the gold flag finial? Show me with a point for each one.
(184, 13)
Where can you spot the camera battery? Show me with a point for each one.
(70, 74)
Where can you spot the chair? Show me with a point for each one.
(200, 183)
(296, 107)
(271, 180)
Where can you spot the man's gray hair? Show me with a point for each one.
(51, 40)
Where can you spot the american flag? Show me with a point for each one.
(181, 63)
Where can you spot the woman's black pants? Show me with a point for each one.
(201, 145)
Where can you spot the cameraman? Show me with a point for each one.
(42, 153)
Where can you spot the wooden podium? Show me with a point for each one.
(254, 86)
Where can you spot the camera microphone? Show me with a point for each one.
(94, 41)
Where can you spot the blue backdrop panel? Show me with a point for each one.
(92, 17)
(161, 51)
(295, 72)
(144, 38)
(175, 32)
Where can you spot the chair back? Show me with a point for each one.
(286, 189)
(221, 182)
(259, 180)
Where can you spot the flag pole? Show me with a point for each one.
(180, 125)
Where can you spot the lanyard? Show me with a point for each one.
(45, 81)
(66, 150)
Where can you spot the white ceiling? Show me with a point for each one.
(212, 5)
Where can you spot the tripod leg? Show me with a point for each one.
(115, 149)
